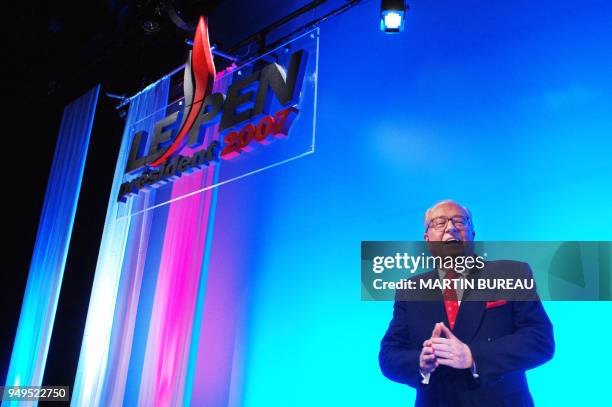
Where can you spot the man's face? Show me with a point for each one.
(440, 231)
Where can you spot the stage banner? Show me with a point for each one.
(186, 135)
(51, 247)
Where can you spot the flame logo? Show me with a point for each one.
(199, 74)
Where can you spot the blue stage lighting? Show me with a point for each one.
(392, 15)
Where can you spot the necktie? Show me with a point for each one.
(451, 305)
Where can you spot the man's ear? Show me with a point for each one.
(426, 237)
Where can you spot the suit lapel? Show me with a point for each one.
(469, 319)
(470, 314)
(433, 306)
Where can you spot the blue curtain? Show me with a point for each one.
(52, 240)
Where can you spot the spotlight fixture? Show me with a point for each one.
(392, 14)
(150, 26)
(149, 12)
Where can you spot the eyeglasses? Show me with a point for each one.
(439, 223)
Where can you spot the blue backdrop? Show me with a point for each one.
(503, 106)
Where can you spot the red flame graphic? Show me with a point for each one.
(203, 75)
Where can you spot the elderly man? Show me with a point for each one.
(461, 352)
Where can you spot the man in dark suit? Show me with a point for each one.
(458, 351)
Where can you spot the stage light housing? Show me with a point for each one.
(392, 13)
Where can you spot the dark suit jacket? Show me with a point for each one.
(505, 341)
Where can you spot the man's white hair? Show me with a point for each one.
(446, 201)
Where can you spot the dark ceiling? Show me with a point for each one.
(81, 43)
